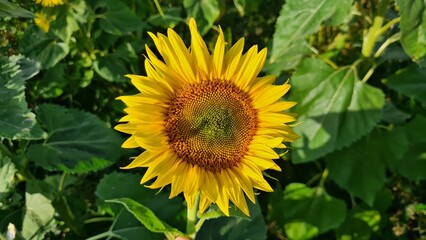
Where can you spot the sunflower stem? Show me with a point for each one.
(375, 30)
(191, 230)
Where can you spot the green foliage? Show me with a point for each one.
(77, 142)
(357, 72)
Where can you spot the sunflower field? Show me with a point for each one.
(213, 119)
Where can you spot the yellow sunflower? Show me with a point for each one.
(49, 3)
(207, 123)
(42, 22)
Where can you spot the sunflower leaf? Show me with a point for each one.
(39, 216)
(297, 19)
(77, 141)
(8, 9)
(235, 228)
(204, 12)
(409, 81)
(413, 27)
(146, 216)
(361, 169)
(413, 164)
(16, 120)
(335, 109)
(306, 212)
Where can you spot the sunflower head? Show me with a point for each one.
(42, 22)
(207, 122)
(49, 3)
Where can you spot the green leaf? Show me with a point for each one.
(357, 224)
(68, 18)
(361, 168)
(297, 19)
(119, 19)
(413, 164)
(38, 46)
(244, 6)
(8, 9)
(171, 17)
(235, 228)
(77, 141)
(111, 187)
(7, 177)
(342, 13)
(393, 115)
(413, 27)
(335, 109)
(111, 68)
(409, 81)
(53, 82)
(126, 226)
(306, 212)
(204, 12)
(146, 216)
(39, 216)
(16, 120)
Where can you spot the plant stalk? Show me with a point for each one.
(375, 30)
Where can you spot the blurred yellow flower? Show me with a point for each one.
(207, 123)
(42, 22)
(49, 3)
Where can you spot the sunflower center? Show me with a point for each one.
(211, 124)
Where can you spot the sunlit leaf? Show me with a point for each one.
(146, 216)
(413, 27)
(77, 141)
(7, 175)
(39, 216)
(297, 19)
(306, 212)
(334, 107)
(16, 120)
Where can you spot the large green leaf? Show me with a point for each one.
(204, 12)
(39, 46)
(306, 212)
(7, 177)
(16, 120)
(410, 81)
(413, 163)
(146, 216)
(357, 225)
(126, 225)
(77, 141)
(119, 19)
(342, 13)
(361, 168)
(235, 228)
(334, 107)
(413, 27)
(111, 68)
(8, 9)
(111, 187)
(39, 216)
(297, 19)
(68, 18)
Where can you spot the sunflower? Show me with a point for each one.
(42, 22)
(49, 3)
(207, 123)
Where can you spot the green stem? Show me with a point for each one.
(375, 30)
(4, 150)
(191, 229)
(323, 177)
(160, 11)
